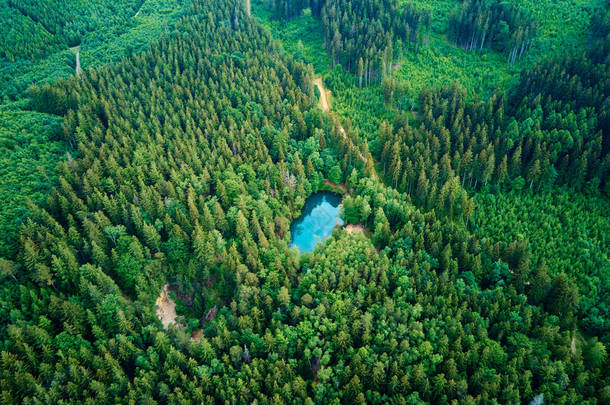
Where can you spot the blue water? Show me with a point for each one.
(319, 216)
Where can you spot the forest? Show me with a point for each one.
(478, 23)
(163, 178)
(30, 141)
(35, 29)
(363, 35)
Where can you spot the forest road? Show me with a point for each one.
(326, 107)
(76, 50)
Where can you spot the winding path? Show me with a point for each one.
(326, 107)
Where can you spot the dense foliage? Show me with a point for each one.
(29, 140)
(105, 36)
(553, 130)
(422, 330)
(556, 132)
(189, 160)
(22, 36)
(27, 168)
(568, 232)
(364, 35)
(287, 9)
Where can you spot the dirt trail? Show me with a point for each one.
(79, 71)
(573, 345)
(323, 95)
(248, 7)
(166, 308)
(76, 50)
(326, 107)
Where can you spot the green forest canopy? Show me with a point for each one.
(481, 276)
(29, 140)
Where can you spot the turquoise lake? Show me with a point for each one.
(320, 214)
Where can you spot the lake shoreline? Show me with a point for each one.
(320, 214)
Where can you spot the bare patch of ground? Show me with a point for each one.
(339, 186)
(354, 229)
(166, 312)
(196, 335)
(166, 308)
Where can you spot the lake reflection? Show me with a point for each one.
(319, 216)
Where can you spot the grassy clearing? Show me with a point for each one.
(441, 64)
(561, 22)
(564, 24)
(303, 37)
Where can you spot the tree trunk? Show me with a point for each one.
(522, 48)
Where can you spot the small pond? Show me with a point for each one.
(319, 216)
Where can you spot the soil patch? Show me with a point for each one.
(166, 308)
(197, 335)
(354, 229)
(339, 186)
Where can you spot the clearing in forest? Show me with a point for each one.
(166, 308)
(76, 50)
(354, 229)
